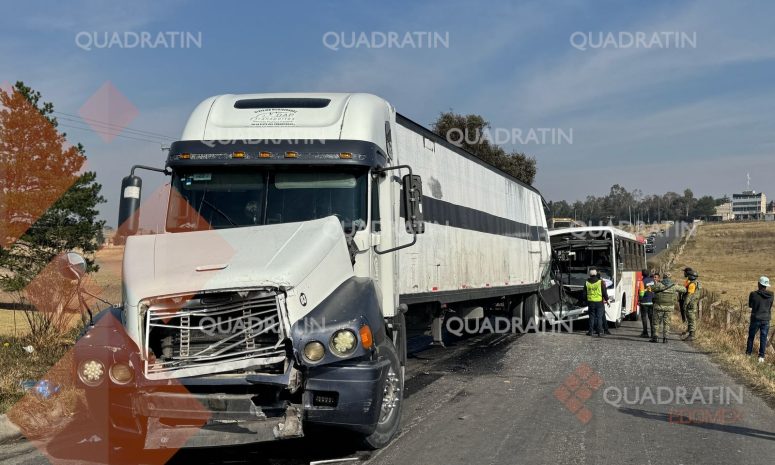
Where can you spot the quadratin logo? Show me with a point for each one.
(577, 388)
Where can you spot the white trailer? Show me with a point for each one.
(296, 242)
(485, 238)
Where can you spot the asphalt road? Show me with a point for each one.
(495, 400)
(662, 240)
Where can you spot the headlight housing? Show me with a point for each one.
(343, 342)
(121, 373)
(314, 351)
(91, 372)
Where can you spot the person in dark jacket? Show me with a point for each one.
(646, 296)
(760, 302)
(596, 295)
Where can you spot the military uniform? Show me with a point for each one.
(691, 301)
(666, 294)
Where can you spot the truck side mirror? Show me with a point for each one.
(128, 220)
(72, 265)
(413, 204)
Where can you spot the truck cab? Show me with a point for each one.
(270, 298)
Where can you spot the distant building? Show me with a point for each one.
(749, 205)
(723, 213)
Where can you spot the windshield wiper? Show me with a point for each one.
(219, 211)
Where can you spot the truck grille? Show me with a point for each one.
(213, 333)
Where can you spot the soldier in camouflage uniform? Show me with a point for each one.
(691, 301)
(666, 294)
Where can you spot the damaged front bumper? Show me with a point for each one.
(250, 408)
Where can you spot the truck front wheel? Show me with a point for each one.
(390, 403)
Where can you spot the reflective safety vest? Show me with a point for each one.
(594, 291)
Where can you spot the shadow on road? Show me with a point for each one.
(686, 421)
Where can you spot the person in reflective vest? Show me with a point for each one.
(691, 302)
(596, 295)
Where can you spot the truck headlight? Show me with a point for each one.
(91, 372)
(121, 373)
(314, 351)
(343, 342)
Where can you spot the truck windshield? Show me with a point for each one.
(216, 198)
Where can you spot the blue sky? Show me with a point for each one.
(656, 119)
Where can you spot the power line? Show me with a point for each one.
(105, 127)
(105, 123)
(112, 134)
(112, 127)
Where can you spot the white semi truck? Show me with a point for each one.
(301, 229)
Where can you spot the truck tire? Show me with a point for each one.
(390, 415)
(531, 314)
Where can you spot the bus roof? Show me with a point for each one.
(576, 230)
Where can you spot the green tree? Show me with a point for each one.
(469, 133)
(705, 207)
(47, 205)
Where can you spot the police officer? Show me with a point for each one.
(691, 302)
(666, 294)
(596, 295)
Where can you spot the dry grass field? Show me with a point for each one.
(16, 365)
(730, 257)
(106, 284)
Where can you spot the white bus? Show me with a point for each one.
(618, 256)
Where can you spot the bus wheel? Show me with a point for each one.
(531, 314)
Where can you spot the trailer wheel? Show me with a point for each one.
(531, 314)
(390, 404)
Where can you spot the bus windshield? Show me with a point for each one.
(228, 197)
(575, 256)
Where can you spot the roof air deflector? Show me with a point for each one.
(256, 103)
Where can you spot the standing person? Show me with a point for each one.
(691, 302)
(760, 302)
(687, 271)
(646, 297)
(656, 277)
(666, 294)
(607, 284)
(596, 295)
